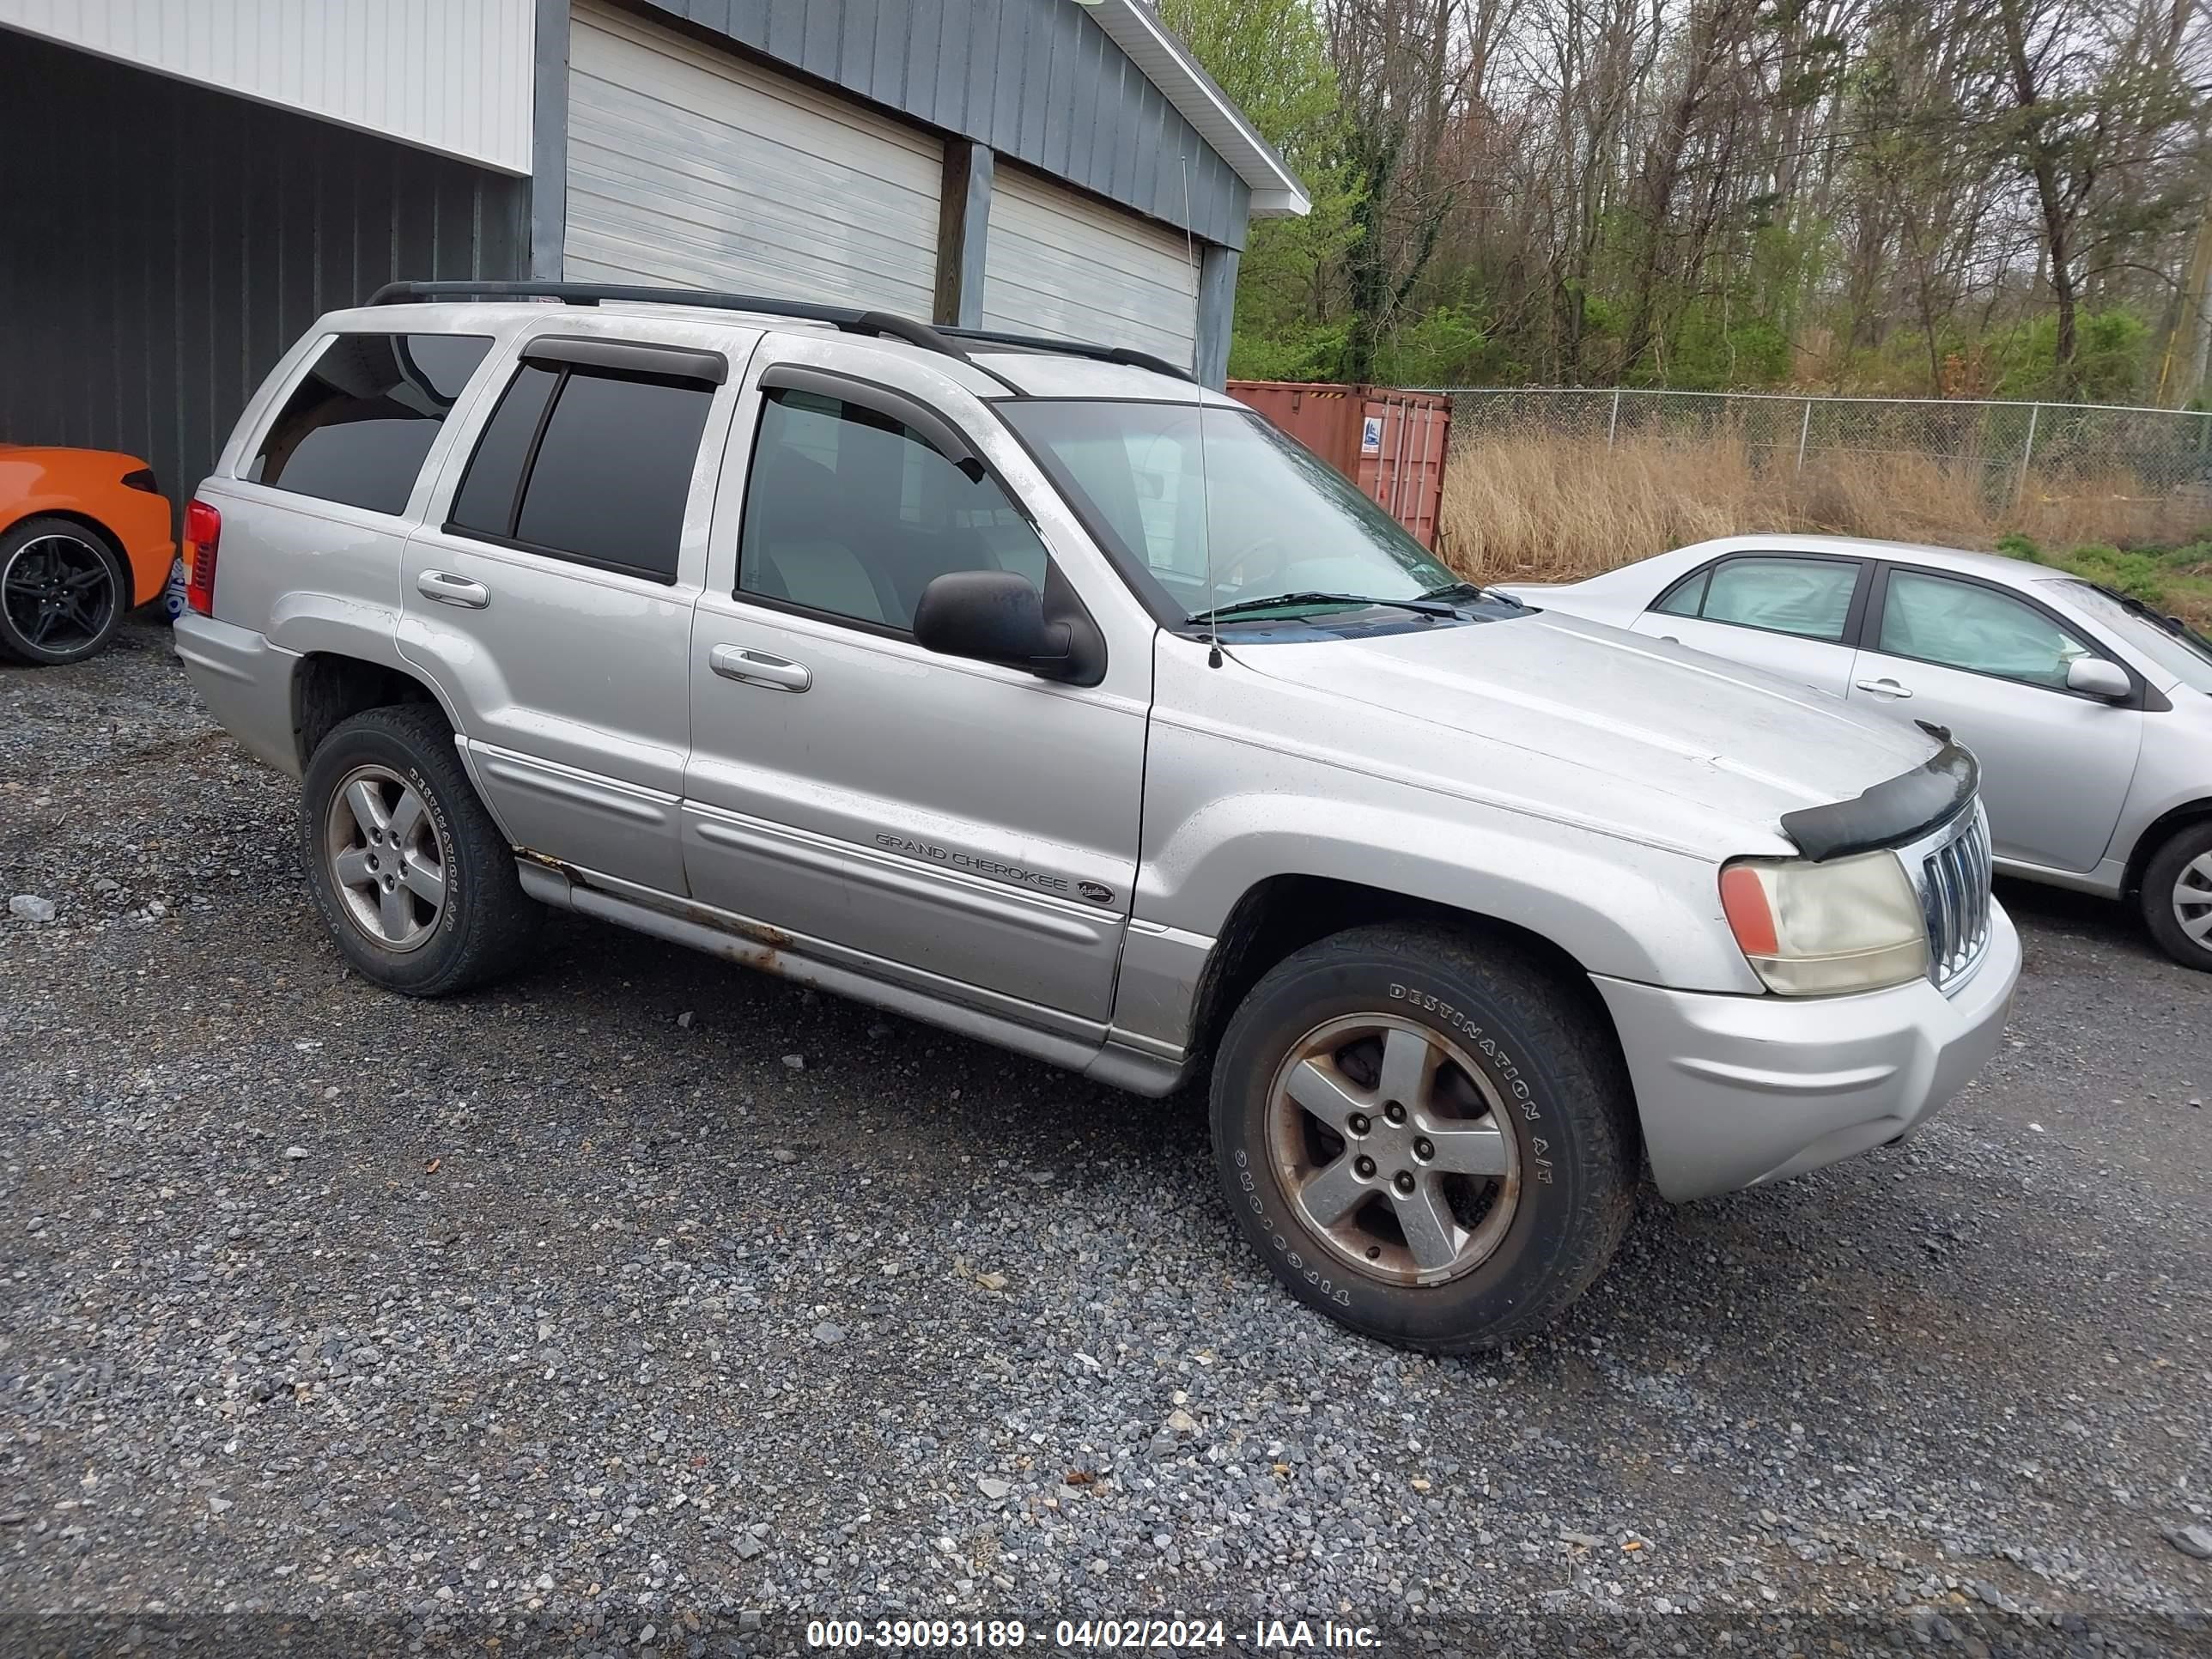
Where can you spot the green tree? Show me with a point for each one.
(1271, 57)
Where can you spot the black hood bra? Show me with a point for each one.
(1890, 814)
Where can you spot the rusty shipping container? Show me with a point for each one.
(1391, 444)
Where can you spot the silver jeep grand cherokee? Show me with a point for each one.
(1026, 689)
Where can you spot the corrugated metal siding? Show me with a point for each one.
(451, 76)
(688, 165)
(1060, 263)
(1037, 79)
(165, 246)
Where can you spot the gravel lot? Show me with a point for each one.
(645, 1303)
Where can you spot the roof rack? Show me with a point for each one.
(1101, 354)
(849, 319)
(846, 318)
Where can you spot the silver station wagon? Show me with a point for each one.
(1027, 688)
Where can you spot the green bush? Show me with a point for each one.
(2138, 575)
(1315, 356)
(1449, 346)
(2112, 358)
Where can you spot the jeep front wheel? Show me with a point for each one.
(1427, 1137)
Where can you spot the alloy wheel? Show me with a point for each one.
(2192, 899)
(59, 591)
(1394, 1146)
(385, 858)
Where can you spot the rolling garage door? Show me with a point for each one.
(1059, 263)
(690, 166)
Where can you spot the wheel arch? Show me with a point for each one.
(1280, 915)
(329, 686)
(2155, 834)
(82, 520)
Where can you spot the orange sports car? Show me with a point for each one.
(85, 534)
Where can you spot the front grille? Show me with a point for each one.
(1954, 893)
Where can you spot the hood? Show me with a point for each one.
(1619, 730)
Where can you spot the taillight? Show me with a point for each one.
(202, 533)
(143, 478)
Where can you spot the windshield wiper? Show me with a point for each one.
(2173, 625)
(1421, 606)
(1473, 590)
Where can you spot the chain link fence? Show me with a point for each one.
(2163, 449)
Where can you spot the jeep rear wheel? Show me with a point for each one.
(1428, 1138)
(414, 880)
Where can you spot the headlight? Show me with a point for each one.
(1816, 929)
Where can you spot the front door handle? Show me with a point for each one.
(446, 588)
(1884, 688)
(738, 662)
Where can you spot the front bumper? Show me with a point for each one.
(246, 684)
(1735, 1090)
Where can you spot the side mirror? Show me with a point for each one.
(994, 616)
(2100, 679)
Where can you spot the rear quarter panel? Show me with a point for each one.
(87, 485)
(312, 575)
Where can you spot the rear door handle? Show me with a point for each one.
(446, 588)
(1884, 688)
(738, 662)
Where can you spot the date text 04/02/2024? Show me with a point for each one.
(1117, 1635)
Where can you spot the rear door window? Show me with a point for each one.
(1810, 597)
(587, 463)
(357, 428)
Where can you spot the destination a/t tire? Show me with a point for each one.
(1427, 1135)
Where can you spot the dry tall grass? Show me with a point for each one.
(1556, 509)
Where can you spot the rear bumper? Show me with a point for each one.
(246, 684)
(1734, 1091)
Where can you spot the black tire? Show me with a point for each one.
(2163, 893)
(1556, 1080)
(484, 925)
(34, 631)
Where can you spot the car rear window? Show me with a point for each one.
(357, 429)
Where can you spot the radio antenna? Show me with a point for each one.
(1197, 400)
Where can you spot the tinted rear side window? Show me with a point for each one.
(614, 471)
(487, 496)
(589, 465)
(357, 428)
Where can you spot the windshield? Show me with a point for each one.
(2187, 655)
(1269, 517)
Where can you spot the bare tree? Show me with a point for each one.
(1933, 192)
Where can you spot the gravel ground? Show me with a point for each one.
(643, 1303)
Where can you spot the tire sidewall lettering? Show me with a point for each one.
(433, 804)
(1278, 1235)
(1505, 1070)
